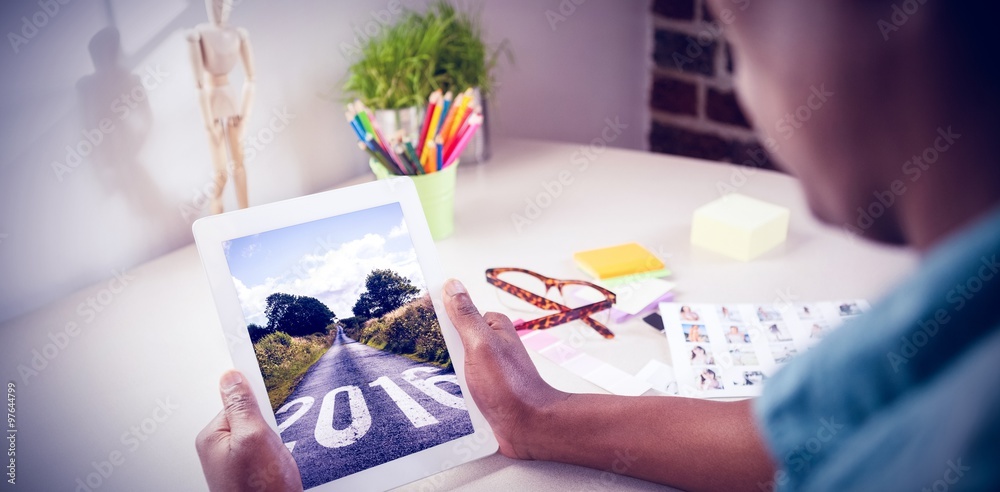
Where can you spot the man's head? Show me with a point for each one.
(218, 10)
(845, 92)
(105, 48)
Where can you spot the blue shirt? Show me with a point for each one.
(906, 396)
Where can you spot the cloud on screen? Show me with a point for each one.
(335, 277)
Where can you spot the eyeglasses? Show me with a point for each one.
(524, 290)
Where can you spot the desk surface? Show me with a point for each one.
(151, 339)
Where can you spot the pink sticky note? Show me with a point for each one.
(539, 340)
(560, 353)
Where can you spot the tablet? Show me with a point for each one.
(330, 305)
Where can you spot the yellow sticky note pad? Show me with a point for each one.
(739, 227)
(616, 261)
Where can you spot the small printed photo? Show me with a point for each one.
(765, 313)
(708, 379)
(749, 378)
(689, 314)
(695, 333)
(807, 311)
(701, 356)
(777, 332)
(818, 330)
(727, 313)
(737, 334)
(735, 377)
(783, 352)
(849, 309)
(743, 356)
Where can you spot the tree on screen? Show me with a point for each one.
(296, 315)
(257, 332)
(385, 291)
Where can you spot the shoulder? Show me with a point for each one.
(195, 33)
(880, 376)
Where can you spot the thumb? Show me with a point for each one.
(239, 403)
(463, 313)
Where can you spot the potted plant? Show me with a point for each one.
(442, 48)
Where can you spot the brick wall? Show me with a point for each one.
(692, 104)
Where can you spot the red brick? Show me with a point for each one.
(675, 9)
(723, 107)
(683, 53)
(674, 96)
(669, 139)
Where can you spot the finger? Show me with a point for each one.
(498, 322)
(239, 404)
(213, 432)
(463, 313)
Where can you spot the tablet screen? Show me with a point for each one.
(347, 341)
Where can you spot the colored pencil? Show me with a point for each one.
(474, 122)
(462, 128)
(387, 160)
(413, 156)
(452, 113)
(377, 156)
(444, 111)
(431, 105)
(459, 114)
(354, 125)
(431, 133)
(363, 116)
(439, 141)
(448, 126)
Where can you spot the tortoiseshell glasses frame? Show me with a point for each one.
(565, 314)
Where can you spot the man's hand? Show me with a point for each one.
(652, 438)
(238, 450)
(502, 379)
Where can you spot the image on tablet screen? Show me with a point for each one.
(347, 341)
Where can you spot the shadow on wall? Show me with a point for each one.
(116, 119)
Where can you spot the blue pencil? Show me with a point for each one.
(444, 111)
(440, 151)
(354, 124)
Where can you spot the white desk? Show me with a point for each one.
(158, 338)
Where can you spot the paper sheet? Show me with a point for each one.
(602, 374)
(724, 351)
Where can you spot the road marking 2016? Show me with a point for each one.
(418, 416)
(306, 403)
(429, 386)
(361, 418)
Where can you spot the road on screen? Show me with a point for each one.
(358, 407)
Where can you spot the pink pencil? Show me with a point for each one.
(460, 128)
(474, 122)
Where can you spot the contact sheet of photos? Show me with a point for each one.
(728, 350)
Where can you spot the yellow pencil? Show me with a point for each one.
(431, 133)
(459, 114)
(429, 157)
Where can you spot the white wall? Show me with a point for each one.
(136, 194)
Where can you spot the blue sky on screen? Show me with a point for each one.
(327, 259)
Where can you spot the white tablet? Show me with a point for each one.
(330, 305)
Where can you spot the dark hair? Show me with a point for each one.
(696, 348)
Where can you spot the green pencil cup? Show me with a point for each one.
(437, 196)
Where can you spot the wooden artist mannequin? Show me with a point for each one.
(216, 47)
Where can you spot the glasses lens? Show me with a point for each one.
(525, 282)
(576, 295)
